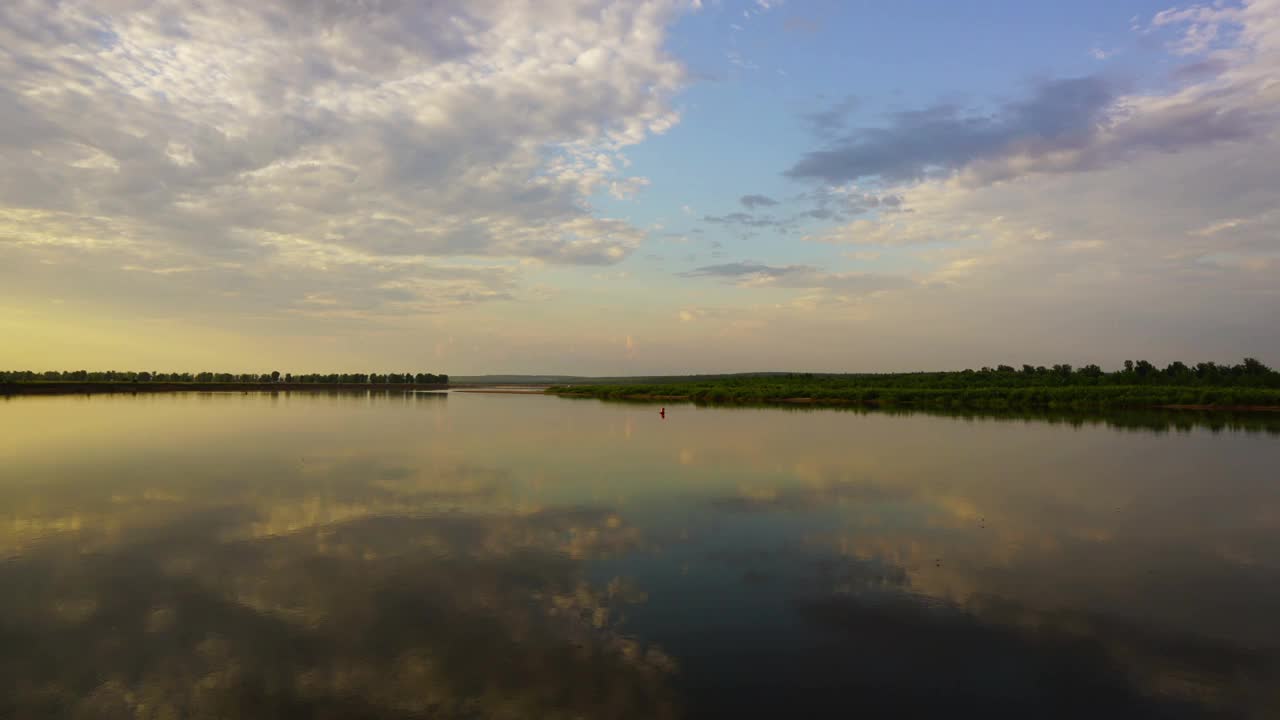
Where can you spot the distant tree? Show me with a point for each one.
(1090, 371)
(1253, 366)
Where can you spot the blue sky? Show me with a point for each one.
(637, 187)
(742, 127)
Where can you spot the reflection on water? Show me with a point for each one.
(401, 556)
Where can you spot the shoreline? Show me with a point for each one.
(117, 388)
(1231, 408)
(842, 402)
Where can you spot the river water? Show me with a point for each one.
(504, 556)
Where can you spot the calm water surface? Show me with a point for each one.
(389, 556)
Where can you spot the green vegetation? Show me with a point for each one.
(274, 377)
(1139, 385)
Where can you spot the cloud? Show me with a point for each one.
(829, 204)
(746, 219)
(1073, 124)
(751, 202)
(836, 202)
(1200, 69)
(919, 143)
(383, 138)
(737, 269)
(829, 122)
(902, 231)
(1202, 26)
(756, 275)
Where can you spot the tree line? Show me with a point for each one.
(130, 376)
(1250, 372)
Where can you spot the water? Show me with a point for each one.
(390, 556)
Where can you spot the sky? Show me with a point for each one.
(637, 187)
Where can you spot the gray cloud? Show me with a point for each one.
(1061, 113)
(751, 202)
(1068, 125)
(746, 219)
(829, 122)
(829, 205)
(838, 204)
(1200, 69)
(750, 274)
(739, 269)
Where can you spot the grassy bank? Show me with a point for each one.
(1247, 386)
(1069, 398)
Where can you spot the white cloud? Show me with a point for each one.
(319, 137)
(1201, 25)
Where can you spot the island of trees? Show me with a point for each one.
(86, 381)
(1246, 385)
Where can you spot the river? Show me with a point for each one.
(490, 555)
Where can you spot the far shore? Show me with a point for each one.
(530, 390)
(99, 388)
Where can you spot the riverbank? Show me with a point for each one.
(1060, 398)
(99, 388)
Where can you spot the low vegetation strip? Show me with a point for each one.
(1248, 385)
(101, 388)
